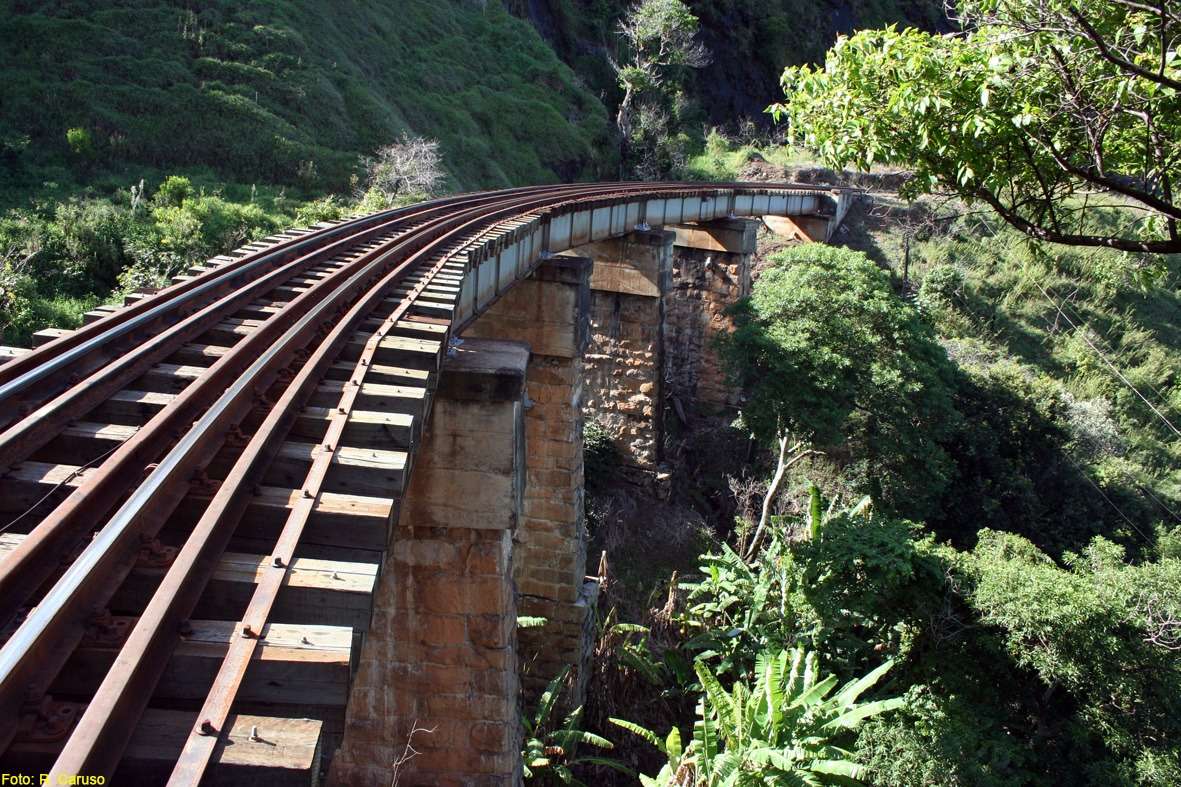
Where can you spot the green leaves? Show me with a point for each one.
(550, 750)
(777, 730)
(959, 110)
(829, 354)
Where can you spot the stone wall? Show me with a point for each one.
(440, 655)
(549, 312)
(710, 272)
(623, 362)
(658, 301)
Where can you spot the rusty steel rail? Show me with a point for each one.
(177, 325)
(82, 350)
(151, 625)
(266, 378)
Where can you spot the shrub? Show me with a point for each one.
(784, 728)
(325, 209)
(80, 142)
(828, 354)
(598, 451)
(17, 295)
(173, 191)
(942, 286)
(412, 165)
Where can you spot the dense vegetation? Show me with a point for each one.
(283, 92)
(1036, 104)
(968, 566)
(259, 108)
(1004, 410)
(1014, 556)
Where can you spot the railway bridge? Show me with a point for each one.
(216, 563)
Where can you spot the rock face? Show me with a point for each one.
(658, 301)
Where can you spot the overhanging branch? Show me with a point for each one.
(1039, 232)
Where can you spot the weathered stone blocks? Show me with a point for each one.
(710, 272)
(439, 668)
(551, 312)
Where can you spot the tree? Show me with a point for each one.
(658, 39)
(1102, 631)
(829, 355)
(412, 165)
(1045, 110)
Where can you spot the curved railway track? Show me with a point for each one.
(195, 489)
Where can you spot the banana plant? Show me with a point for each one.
(548, 752)
(782, 729)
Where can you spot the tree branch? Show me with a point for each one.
(1106, 53)
(1106, 182)
(1039, 232)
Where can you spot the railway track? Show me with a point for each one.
(196, 488)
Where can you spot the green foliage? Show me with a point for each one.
(942, 287)
(739, 607)
(598, 452)
(61, 259)
(173, 191)
(658, 45)
(1102, 630)
(1054, 445)
(81, 142)
(628, 646)
(723, 160)
(781, 729)
(548, 751)
(17, 295)
(1015, 668)
(325, 209)
(1035, 103)
(296, 93)
(749, 41)
(828, 353)
(859, 583)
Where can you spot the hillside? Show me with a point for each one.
(286, 92)
(955, 461)
(750, 42)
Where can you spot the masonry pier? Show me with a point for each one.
(550, 312)
(438, 673)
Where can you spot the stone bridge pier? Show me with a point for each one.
(658, 301)
(492, 525)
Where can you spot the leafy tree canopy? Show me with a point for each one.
(829, 354)
(1043, 109)
(1105, 631)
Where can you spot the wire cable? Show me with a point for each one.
(77, 471)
